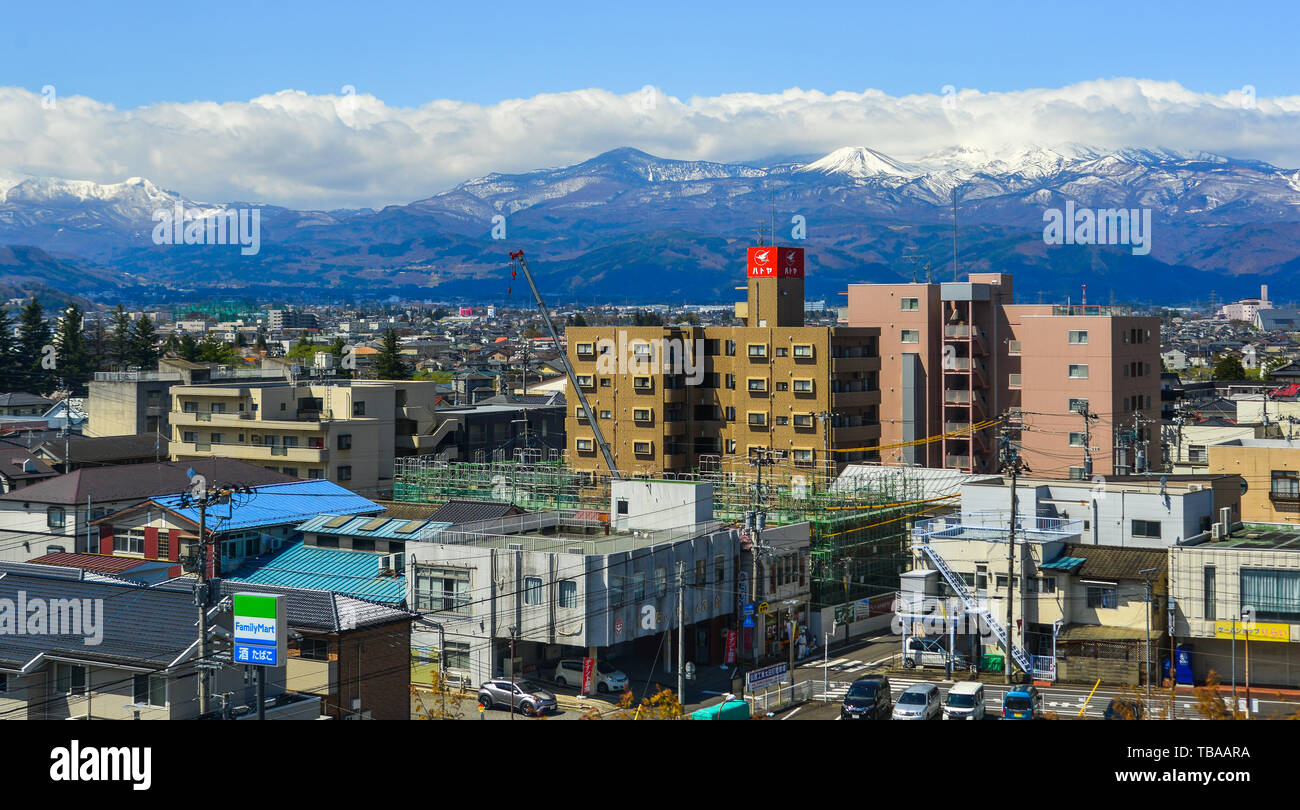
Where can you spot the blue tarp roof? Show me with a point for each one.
(1065, 563)
(354, 573)
(276, 505)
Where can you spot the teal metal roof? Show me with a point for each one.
(1065, 563)
(354, 573)
(385, 528)
(275, 505)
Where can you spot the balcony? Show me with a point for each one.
(852, 436)
(673, 395)
(995, 527)
(841, 365)
(677, 428)
(252, 452)
(854, 399)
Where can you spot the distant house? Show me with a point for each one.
(73, 452)
(1270, 320)
(23, 404)
(19, 468)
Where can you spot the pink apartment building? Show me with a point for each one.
(956, 354)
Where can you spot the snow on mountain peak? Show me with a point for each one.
(859, 162)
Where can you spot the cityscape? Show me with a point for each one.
(611, 385)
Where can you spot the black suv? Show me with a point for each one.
(868, 699)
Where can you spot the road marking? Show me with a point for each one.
(792, 714)
(857, 666)
(837, 662)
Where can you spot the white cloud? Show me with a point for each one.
(307, 151)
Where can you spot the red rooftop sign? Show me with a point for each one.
(775, 262)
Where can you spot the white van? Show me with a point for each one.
(605, 677)
(965, 701)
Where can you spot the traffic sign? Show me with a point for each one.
(764, 609)
(749, 608)
(749, 621)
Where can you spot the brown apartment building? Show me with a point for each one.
(956, 354)
(667, 398)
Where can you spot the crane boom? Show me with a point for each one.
(518, 256)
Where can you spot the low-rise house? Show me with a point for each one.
(20, 468)
(21, 403)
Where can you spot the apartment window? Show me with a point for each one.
(583, 444)
(1078, 337)
(757, 384)
(803, 420)
(638, 586)
(315, 473)
(1013, 347)
(586, 348)
(190, 407)
(568, 593)
(1076, 440)
(289, 441)
(642, 448)
(1047, 585)
(758, 350)
(532, 590)
(910, 336)
(150, 690)
(701, 573)
(615, 590)
(1146, 528)
(345, 441)
(56, 517)
(803, 350)
(314, 649)
(442, 589)
(731, 348)
(345, 472)
(641, 414)
(731, 413)
(802, 455)
(604, 382)
(1286, 483)
(661, 581)
(358, 408)
(641, 382)
(803, 386)
(190, 437)
(1078, 371)
(783, 420)
(1078, 405)
(757, 418)
(129, 541)
(457, 653)
(1208, 593)
(641, 349)
(1102, 596)
(782, 351)
(605, 415)
(909, 304)
(719, 570)
(1198, 454)
(69, 679)
(731, 445)
(585, 381)
(1014, 380)
(1077, 473)
(1273, 593)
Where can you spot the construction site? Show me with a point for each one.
(859, 524)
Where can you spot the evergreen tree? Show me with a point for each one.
(97, 346)
(142, 351)
(389, 365)
(188, 349)
(9, 379)
(1229, 368)
(122, 332)
(576, 319)
(35, 360)
(260, 345)
(74, 362)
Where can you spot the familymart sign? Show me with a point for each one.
(260, 629)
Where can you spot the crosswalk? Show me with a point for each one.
(842, 665)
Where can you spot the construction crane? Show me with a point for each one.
(517, 257)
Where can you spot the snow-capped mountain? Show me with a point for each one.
(674, 225)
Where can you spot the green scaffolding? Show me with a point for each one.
(859, 529)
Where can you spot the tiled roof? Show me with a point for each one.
(1115, 562)
(141, 626)
(354, 573)
(458, 511)
(19, 399)
(87, 449)
(139, 481)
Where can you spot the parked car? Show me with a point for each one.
(1022, 703)
(868, 699)
(606, 677)
(965, 701)
(918, 702)
(928, 652)
(1123, 709)
(526, 696)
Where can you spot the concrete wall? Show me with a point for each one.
(655, 505)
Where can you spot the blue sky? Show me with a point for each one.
(407, 53)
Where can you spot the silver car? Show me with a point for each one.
(918, 702)
(526, 696)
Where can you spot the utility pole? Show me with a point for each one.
(1012, 465)
(681, 635)
(1147, 664)
(201, 599)
(1088, 416)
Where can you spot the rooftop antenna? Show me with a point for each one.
(773, 231)
(954, 233)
